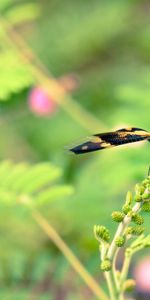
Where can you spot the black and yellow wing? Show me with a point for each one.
(112, 139)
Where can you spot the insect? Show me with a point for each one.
(112, 139)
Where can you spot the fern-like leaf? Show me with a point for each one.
(15, 74)
(26, 183)
(23, 13)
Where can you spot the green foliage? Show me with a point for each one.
(140, 243)
(19, 11)
(15, 73)
(31, 185)
(23, 12)
(4, 4)
(106, 18)
(14, 77)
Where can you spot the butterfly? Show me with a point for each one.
(112, 139)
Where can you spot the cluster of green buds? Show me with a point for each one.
(129, 213)
(106, 265)
(101, 233)
(103, 236)
(142, 196)
(142, 191)
(134, 230)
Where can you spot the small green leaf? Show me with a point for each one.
(54, 193)
(23, 13)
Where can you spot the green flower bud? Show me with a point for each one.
(128, 198)
(139, 189)
(106, 265)
(136, 230)
(130, 213)
(101, 233)
(126, 208)
(138, 219)
(129, 285)
(118, 216)
(145, 182)
(146, 196)
(138, 198)
(129, 230)
(119, 241)
(146, 206)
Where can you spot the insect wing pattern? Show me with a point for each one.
(112, 139)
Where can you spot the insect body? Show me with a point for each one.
(112, 139)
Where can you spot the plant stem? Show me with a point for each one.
(121, 297)
(125, 269)
(73, 260)
(111, 285)
(43, 77)
(114, 269)
(120, 231)
(112, 254)
(109, 274)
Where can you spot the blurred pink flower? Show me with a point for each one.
(142, 275)
(40, 103)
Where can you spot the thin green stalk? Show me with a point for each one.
(120, 231)
(125, 270)
(111, 285)
(108, 275)
(69, 255)
(114, 271)
(113, 251)
(43, 77)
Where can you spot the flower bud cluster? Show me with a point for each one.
(135, 230)
(137, 219)
(128, 213)
(146, 206)
(106, 265)
(126, 208)
(101, 233)
(118, 216)
(142, 191)
(119, 241)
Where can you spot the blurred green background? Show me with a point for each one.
(101, 49)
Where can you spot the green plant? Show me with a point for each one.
(15, 73)
(34, 187)
(117, 280)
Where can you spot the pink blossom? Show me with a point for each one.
(142, 275)
(40, 103)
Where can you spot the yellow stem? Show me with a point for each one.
(73, 260)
